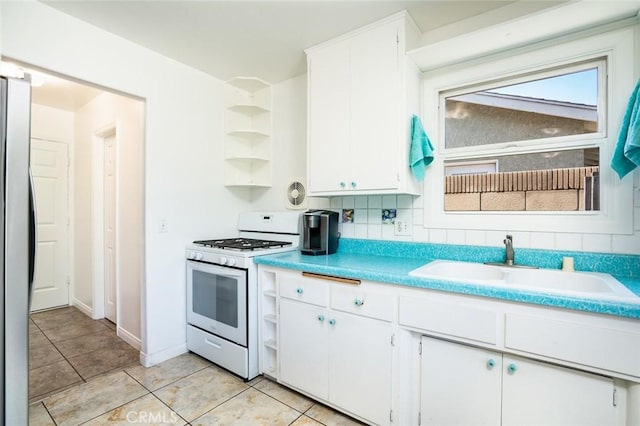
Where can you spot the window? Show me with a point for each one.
(526, 136)
(538, 114)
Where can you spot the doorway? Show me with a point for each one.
(104, 220)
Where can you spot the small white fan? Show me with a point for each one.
(296, 195)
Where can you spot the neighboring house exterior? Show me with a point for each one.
(471, 118)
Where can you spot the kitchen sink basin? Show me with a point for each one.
(579, 284)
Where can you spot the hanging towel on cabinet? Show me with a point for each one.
(421, 154)
(626, 155)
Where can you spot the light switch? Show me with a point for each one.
(163, 226)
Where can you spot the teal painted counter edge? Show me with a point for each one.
(391, 261)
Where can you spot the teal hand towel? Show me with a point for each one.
(421, 154)
(626, 155)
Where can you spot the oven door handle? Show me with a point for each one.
(214, 344)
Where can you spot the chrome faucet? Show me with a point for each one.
(509, 253)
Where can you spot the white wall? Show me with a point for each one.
(288, 149)
(127, 115)
(183, 149)
(52, 124)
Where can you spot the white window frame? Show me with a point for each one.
(616, 205)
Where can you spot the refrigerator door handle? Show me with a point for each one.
(33, 235)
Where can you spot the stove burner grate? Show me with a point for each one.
(242, 244)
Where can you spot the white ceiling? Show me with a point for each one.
(264, 39)
(63, 94)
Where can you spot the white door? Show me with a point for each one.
(460, 385)
(329, 101)
(304, 347)
(536, 393)
(110, 288)
(49, 165)
(375, 90)
(360, 361)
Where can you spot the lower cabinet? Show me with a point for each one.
(342, 358)
(463, 385)
(304, 342)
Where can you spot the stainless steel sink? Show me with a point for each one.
(578, 284)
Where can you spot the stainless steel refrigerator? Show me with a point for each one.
(17, 248)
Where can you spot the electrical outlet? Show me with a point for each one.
(402, 225)
(162, 227)
(402, 228)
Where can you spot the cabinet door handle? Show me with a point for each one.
(491, 363)
(332, 321)
(353, 184)
(512, 368)
(320, 318)
(358, 302)
(342, 184)
(299, 290)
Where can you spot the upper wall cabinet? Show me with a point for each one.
(362, 91)
(248, 129)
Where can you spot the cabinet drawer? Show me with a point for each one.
(450, 318)
(569, 339)
(225, 353)
(304, 289)
(362, 301)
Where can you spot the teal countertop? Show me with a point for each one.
(390, 262)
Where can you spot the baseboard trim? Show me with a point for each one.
(129, 338)
(149, 360)
(83, 307)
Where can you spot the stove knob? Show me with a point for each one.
(192, 254)
(198, 256)
(223, 260)
(231, 262)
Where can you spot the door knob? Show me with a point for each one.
(332, 321)
(299, 290)
(512, 368)
(320, 318)
(491, 363)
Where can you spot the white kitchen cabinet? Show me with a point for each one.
(342, 353)
(247, 133)
(460, 384)
(304, 346)
(360, 363)
(468, 385)
(362, 91)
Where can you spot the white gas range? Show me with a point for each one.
(222, 289)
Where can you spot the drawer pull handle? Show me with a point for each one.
(358, 302)
(331, 278)
(491, 363)
(512, 368)
(354, 184)
(214, 344)
(342, 184)
(299, 290)
(332, 321)
(320, 318)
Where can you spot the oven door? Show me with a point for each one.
(217, 300)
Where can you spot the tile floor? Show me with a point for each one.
(72, 387)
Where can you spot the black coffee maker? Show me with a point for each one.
(319, 232)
